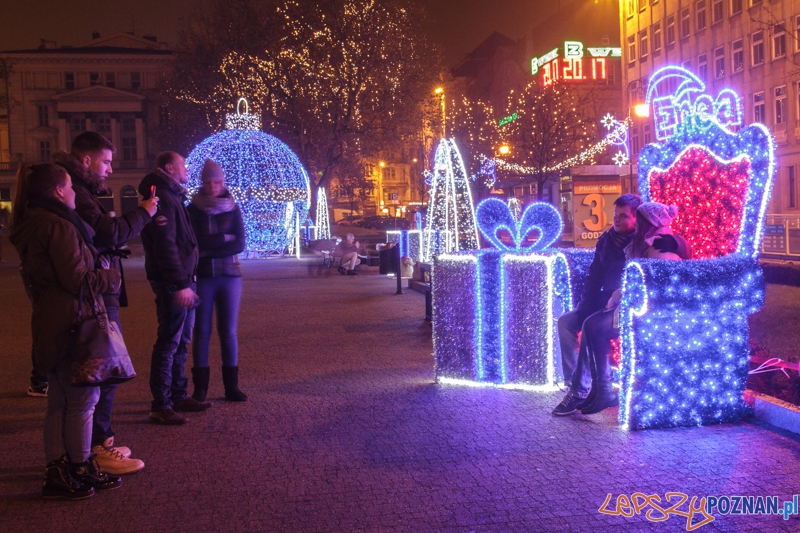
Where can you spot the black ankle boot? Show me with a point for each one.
(606, 397)
(88, 474)
(200, 376)
(589, 399)
(230, 378)
(59, 483)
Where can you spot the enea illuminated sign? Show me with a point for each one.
(574, 66)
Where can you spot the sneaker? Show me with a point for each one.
(89, 474)
(59, 483)
(190, 405)
(568, 405)
(352, 273)
(38, 391)
(167, 417)
(112, 461)
(342, 271)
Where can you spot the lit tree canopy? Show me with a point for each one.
(336, 80)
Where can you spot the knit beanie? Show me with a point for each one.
(658, 215)
(211, 170)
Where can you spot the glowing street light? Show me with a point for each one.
(641, 110)
(440, 92)
(504, 149)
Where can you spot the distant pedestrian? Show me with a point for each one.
(55, 248)
(348, 249)
(218, 225)
(171, 255)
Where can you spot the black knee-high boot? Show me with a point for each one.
(230, 378)
(200, 377)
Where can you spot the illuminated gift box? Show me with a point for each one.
(495, 311)
(683, 324)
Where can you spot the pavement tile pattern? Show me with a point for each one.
(347, 431)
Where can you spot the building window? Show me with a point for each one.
(111, 79)
(44, 116)
(700, 12)
(44, 151)
(642, 5)
(647, 134)
(736, 6)
(758, 48)
(738, 55)
(719, 62)
(716, 11)
(128, 124)
(104, 124)
(687, 64)
(79, 124)
(644, 48)
(685, 24)
(653, 2)
(631, 7)
(69, 80)
(792, 188)
(778, 41)
(129, 149)
(759, 107)
(94, 78)
(635, 139)
(136, 80)
(631, 50)
(670, 30)
(388, 173)
(656, 32)
(702, 66)
(780, 105)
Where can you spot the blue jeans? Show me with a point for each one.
(101, 421)
(68, 420)
(224, 293)
(168, 383)
(578, 360)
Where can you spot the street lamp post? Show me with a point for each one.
(440, 92)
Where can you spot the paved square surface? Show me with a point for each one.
(346, 430)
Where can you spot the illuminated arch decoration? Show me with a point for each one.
(495, 310)
(451, 209)
(264, 176)
(323, 216)
(683, 325)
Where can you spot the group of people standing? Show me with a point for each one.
(70, 247)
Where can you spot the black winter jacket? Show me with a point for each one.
(218, 257)
(110, 232)
(605, 273)
(170, 246)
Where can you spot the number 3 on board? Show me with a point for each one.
(596, 203)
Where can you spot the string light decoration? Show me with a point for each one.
(323, 217)
(683, 324)
(265, 178)
(494, 311)
(242, 121)
(412, 243)
(451, 209)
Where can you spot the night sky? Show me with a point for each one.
(458, 25)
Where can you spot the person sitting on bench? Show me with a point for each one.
(348, 249)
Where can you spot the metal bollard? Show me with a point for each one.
(398, 269)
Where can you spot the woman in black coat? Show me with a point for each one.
(218, 225)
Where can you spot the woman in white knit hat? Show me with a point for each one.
(652, 220)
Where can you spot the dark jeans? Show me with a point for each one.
(588, 361)
(224, 293)
(168, 382)
(101, 420)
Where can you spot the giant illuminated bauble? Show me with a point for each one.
(266, 179)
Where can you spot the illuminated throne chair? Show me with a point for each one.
(683, 324)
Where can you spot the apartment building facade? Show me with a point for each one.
(109, 84)
(750, 46)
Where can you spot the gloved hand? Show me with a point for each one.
(665, 243)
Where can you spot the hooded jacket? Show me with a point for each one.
(109, 232)
(170, 246)
(56, 261)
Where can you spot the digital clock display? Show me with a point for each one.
(574, 65)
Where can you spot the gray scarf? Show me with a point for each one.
(214, 206)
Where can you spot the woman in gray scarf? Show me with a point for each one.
(218, 224)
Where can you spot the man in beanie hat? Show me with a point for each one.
(171, 256)
(590, 318)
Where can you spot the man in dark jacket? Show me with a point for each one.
(592, 320)
(89, 164)
(171, 256)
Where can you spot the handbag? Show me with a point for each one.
(97, 351)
